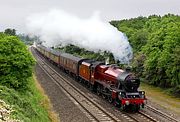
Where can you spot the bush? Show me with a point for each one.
(15, 63)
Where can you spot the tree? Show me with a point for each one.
(15, 63)
(11, 32)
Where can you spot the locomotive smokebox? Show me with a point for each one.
(128, 82)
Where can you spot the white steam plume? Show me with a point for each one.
(58, 27)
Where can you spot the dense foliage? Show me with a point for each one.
(156, 45)
(15, 63)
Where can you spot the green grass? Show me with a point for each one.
(28, 106)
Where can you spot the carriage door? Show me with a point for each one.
(92, 75)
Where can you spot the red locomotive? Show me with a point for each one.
(118, 86)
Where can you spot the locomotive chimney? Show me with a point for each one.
(107, 61)
(128, 68)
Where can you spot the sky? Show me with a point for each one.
(14, 13)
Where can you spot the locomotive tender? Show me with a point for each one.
(118, 86)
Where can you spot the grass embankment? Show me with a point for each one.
(46, 103)
(18, 88)
(161, 97)
(29, 106)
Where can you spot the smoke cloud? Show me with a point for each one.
(58, 27)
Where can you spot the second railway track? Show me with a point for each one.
(162, 114)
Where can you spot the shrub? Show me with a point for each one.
(15, 63)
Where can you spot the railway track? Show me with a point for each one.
(92, 110)
(164, 115)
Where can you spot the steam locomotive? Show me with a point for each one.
(118, 86)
